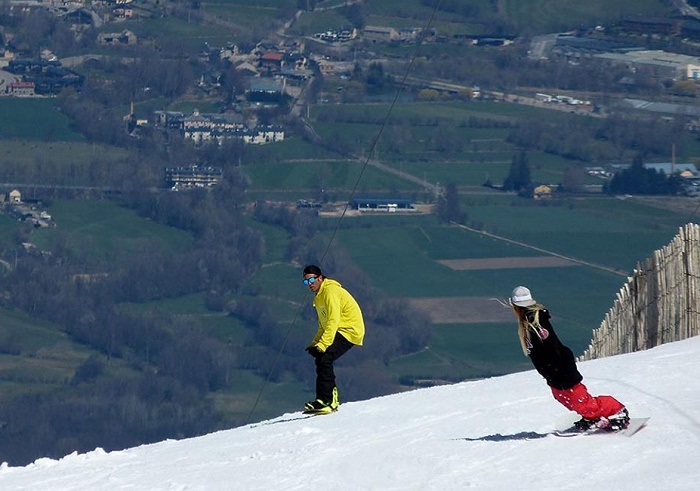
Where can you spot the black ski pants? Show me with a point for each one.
(325, 376)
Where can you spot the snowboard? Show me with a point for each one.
(290, 417)
(316, 413)
(565, 427)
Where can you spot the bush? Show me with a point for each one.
(88, 371)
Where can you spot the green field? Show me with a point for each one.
(476, 16)
(462, 351)
(420, 140)
(425, 112)
(62, 163)
(290, 149)
(321, 21)
(318, 175)
(461, 143)
(237, 4)
(35, 355)
(189, 36)
(8, 226)
(34, 119)
(100, 230)
(538, 16)
(607, 231)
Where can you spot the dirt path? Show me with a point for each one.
(507, 263)
(463, 310)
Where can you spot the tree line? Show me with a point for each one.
(637, 179)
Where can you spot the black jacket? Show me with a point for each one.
(554, 361)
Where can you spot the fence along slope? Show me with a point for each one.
(658, 304)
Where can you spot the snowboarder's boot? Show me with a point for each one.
(619, 421)
(318, 407)
(335, 403)
(616, 422)
(584, 424)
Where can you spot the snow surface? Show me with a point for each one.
(470, 435)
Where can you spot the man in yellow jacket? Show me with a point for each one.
(340, 327)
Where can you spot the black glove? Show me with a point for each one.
(314, 351)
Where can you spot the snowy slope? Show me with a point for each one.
(464, 436)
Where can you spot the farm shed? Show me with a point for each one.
(374, 203)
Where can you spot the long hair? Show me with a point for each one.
(527, 327)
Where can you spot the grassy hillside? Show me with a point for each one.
(34, 119)
(62, 163)
(39, 145)
(540, 16)
(35, 356)
(99, 230)
(8, 227)
(179, 33)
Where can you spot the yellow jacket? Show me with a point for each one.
(339, 312)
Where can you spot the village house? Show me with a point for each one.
(122, 13)
(379, 33)
(248, 69)
(203, 128)
(265, 134)
(543, 191)
(125, 37)
(15, 196)
(272, 60)
(194, 176)
(20, 89)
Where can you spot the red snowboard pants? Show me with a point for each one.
(579, 400)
